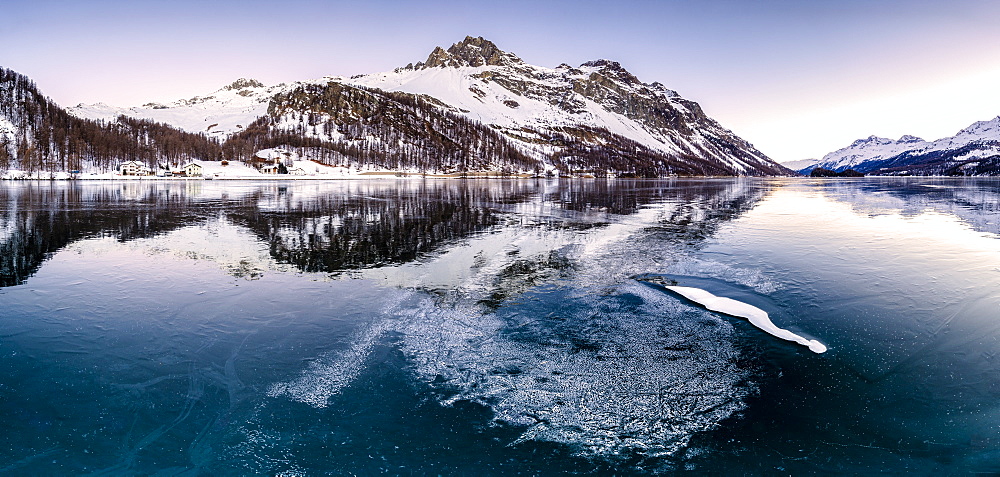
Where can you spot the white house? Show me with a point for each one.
(135, 168)
(192, 170)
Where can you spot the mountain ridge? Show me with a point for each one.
(973, 150)
(523, 99)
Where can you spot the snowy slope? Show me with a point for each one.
(800, 164)
(490, 103)
(219, 114)
(974, 142)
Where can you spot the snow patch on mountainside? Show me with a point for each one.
(220, 114)
(800, 164)
(980, 130)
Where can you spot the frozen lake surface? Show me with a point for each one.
(496, 327)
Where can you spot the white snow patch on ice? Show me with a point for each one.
(757, 317)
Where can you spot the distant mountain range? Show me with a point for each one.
(472, 107)
(973, 151)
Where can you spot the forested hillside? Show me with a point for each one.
(340, 124)
(38, 135)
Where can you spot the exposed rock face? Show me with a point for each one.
(243, 83)
(469, 52)
(680, 125)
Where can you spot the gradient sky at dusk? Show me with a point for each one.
(796, 78)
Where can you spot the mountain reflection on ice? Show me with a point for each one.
(973, 201)
(548, 335)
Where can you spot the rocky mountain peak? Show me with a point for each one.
(472, 51)
(871, 140)
(990, 128)
(243, 83)
(602, 63)
(612, 69)
(906, 138)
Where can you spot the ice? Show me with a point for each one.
(748, 277)
(547, 332)
(615, 375)
(757, 317)
(329, 375)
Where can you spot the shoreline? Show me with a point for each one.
(365, 177)
(381, 176)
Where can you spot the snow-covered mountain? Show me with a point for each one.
(595, 117)
(800, 164)
(526, 101)
(974, 150)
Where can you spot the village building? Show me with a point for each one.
(192, 170)
(135, 168)
(275, 161)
